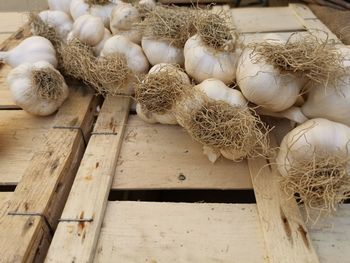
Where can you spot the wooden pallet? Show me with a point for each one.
(126, 156)
(39, 158)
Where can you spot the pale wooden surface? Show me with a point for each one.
(180, 232)
(21, 134)
(22, 5)
(272, 19)
(46, 182)
(76, 241)
(286, 237)
(158, 156)
(331, 236)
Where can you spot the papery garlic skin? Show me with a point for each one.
(98, 48)
(312, 137)
(78, 8)
(59, 20)
(264, 84)
(159, 51)
(332, 103)
(23, 89)
(147, 4)
(168, 117)
(134, 55)
(61, 5)
(89, 29)
(202, 62)
(31, 50)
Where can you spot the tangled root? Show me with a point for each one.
(172, 24)
(309, 55)
(48, 83)
(215, 31)
(223, 127)
(107, 75)
(159, 92)
(322, 183)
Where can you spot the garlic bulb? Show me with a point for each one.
(147, 4)
(38, 88)
(159, 51)
(202, 62)
(332, 103)
(123, 19)
(80, 7)
(89, 29)
(264, 84)
(61, 5)
(218, 91)
(59, 20)
(135, 57)
(168, 116)
(314, 162)
(32, 49)
(98, 48)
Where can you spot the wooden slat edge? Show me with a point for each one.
(38, 198)
(76, 237)
(286, 236)
(311, 22)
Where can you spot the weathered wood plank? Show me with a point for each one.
(331, 236)
(165, 157)
(272, 19)
(21, 134)
(180, 232)
(75, 241)
(39, 197)
(287, 239)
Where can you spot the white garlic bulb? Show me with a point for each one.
(89, 29)
(167, 117)
(159, 51)
(32, 49)
(202, 62)
(37, 88)
(80, 7)
(133, 53)
(333, 102)
(264, 84)
(61, 5)
(123, 19)
(59, 20)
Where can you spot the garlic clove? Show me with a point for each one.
(59, 20)
(61, 5)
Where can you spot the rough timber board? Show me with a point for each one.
(331, 236)
(46, 182)
(180, 232)
(271, 19)
(165, 157)
(74, 240)
(21, 134)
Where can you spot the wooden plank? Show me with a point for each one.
(331, 236)
(11, 21)
(39, 197)
(272, 19)
(311, 22)
(287, 239)
(21, 134)
(180, 232)
(155, 156)
(75, 241)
